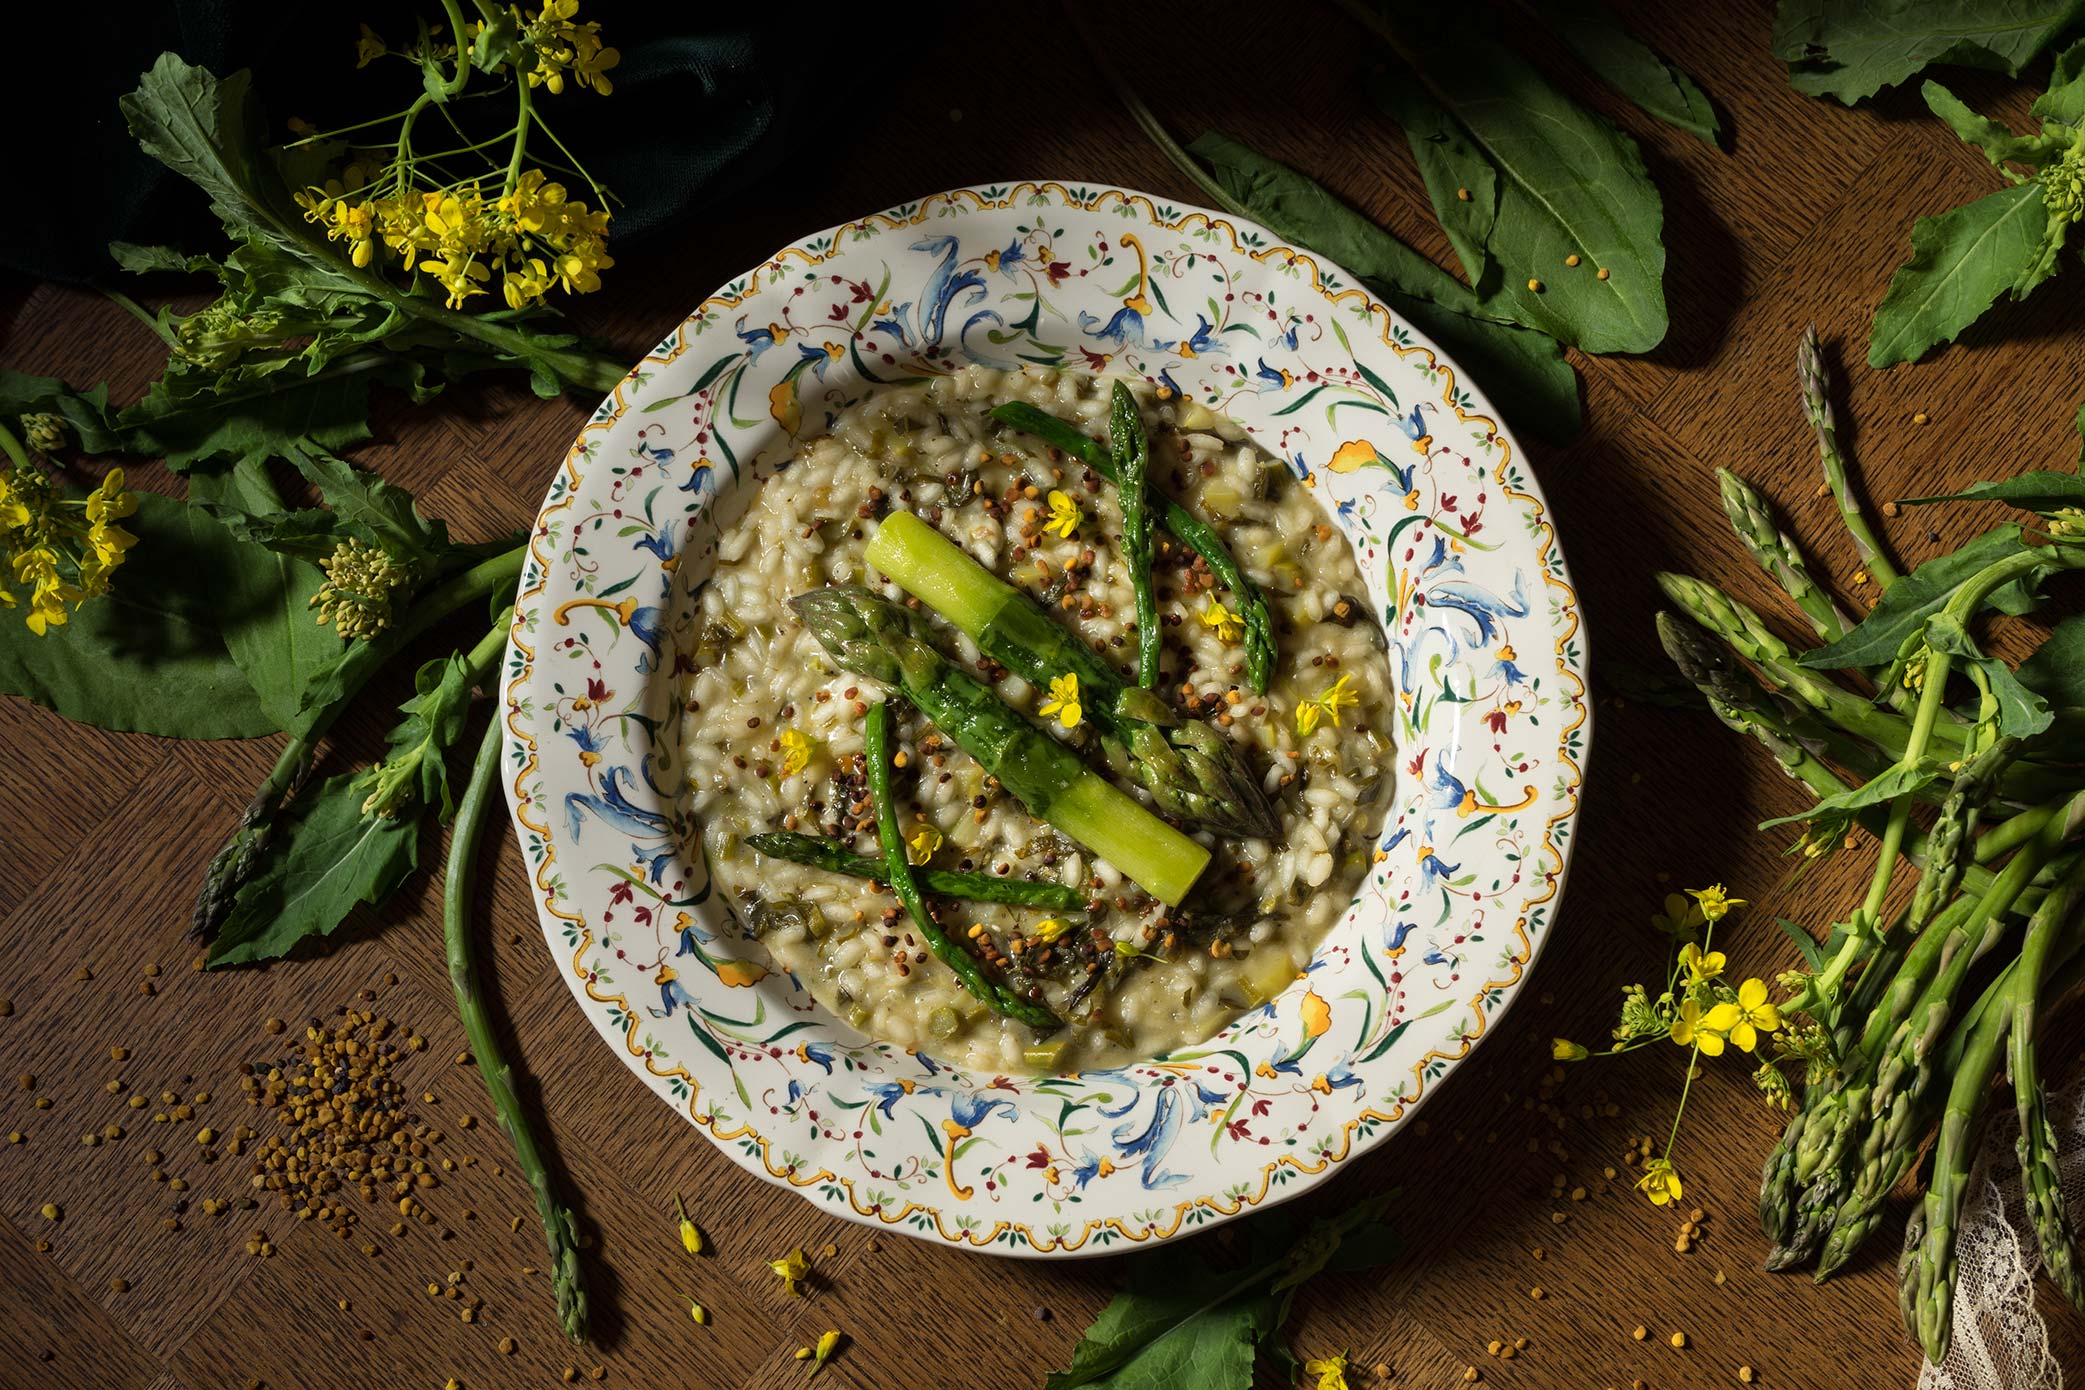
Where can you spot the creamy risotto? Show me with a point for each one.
(773, 727)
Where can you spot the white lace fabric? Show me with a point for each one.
(2000, 1341)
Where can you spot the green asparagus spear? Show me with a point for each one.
(1192, 771)
(822, 853)
(1927, 1283)
(873, 637)
(996, 997)
(1905, 1069)
(1189, 529)
(1778, 555)
(560, 1229)
(1130, 449)
(1742, 628)
(2041, 1183)
(1817, 408)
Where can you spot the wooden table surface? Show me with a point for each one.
(103, 837)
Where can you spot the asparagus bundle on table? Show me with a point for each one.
(1192, 771)
(1187, 528)
(871, 636)
(1906, 1019)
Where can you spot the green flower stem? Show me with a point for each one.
(521, 128)
(560, 1228)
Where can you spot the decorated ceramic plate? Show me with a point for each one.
(1412, 761)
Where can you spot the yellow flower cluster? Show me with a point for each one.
(64, 551)
(564, 47)
(534, 234)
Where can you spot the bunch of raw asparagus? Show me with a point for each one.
(1965, 772)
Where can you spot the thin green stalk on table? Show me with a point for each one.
(1193, 772)
(897, 871)
(560, 1227)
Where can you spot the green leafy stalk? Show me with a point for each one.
(1130, 448)
(247, 850)
(1189, 529)
(835, 857)
(560, 1227)
(1193, 772)
(871, 636)
(898, 871)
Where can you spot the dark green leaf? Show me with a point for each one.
(1812, 953)
(363, 500)
(1851, 49)
(1961, 261)
(1883, 788)
(1569, 184)
(1629, 65)
(263, 596)
(1998, 143)
(2056, 671)
(149, 656)
(2021, 712)
(2065, 99)
(185, 419)
(1907, 604)
(148, 260)
(1165, 1317)
(1462, 183)
(2039, 491)
(1371, 1246)
(308, 533)
(1521, 367)
(325, 859)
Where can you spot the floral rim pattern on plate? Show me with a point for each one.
(1462, 565)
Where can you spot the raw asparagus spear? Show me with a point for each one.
(1905, 1069)
(1193, 772)
(1130, 449)
(822, 853)
(871, 636)
(459, 878)
(1778, 554)
(1817, 408)
(898, 870)
(1189, 529)
(1927, 1283)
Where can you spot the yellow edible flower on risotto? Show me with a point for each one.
(920, 848)
(1064, 514)
(1064, 701)
(796, 752)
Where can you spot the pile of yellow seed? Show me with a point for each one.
(342, 1123)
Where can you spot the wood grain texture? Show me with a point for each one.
(103, 836)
